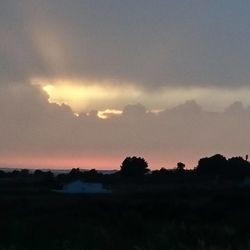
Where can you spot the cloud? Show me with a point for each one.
(165, 43)
(87, 94)
(158, 53)
(32, 128)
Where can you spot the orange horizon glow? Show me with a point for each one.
(60, 162)
(68, 162)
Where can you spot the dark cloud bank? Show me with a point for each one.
(152, 43)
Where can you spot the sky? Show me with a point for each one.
(86, 83)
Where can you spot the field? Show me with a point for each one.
(37, 219)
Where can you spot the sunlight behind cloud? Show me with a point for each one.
(85, 95)
(108, 112)
(109, 97)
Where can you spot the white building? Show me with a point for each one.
(77, 187)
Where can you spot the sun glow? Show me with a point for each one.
(86, 95)
(109, 97)
(108, 112)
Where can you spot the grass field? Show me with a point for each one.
(181, 219)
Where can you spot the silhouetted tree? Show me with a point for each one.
(238, 167)
(180, 166)
(75, 173)
(233, 168)
(49, 175)
(92, 175)
(93, 172)
(15, 174)
(38, 173)
(25, 172)
(214, 165)
(2, 174)
(134, 167)
(163, 171)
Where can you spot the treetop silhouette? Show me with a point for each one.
(134, 167)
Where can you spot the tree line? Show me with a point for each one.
(136, 169)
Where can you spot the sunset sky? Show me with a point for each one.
(85, 83)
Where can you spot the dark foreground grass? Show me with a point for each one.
(179, 219)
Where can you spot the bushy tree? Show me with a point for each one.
(238, 167)
(134, 167)
(218, 165)
(213, 165)
(75, 173)
(180, 166)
